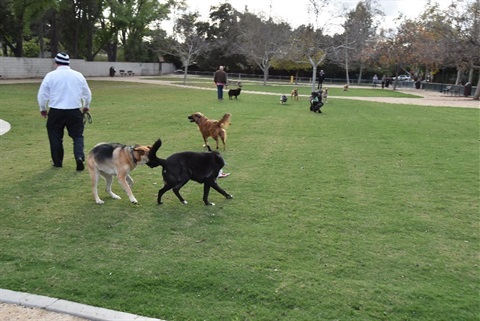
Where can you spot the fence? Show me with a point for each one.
(17, 68)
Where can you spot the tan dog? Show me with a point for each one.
(212, 128)
(294, 94)
(112, 159)
(345, 87)
(325, 94)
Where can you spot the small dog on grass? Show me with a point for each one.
(234, 92)
(294, 94)
(325, 94)
(345, 87)
(283, 99)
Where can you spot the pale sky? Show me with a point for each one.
(296, 12)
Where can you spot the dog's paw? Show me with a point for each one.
(184, 202)
(115, 196)
(228, 196)
(135, 202)
(99, 201)
(210, 204)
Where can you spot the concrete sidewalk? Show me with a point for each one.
(64, 307)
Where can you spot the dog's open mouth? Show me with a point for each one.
(192, 120)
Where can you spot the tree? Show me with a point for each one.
(359, 31)
(15, 17)
(188, 41)
(310, 49)
(261, 41)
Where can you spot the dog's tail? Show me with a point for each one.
(225, 121)
(153, 160)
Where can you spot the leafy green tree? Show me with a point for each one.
(15, 18)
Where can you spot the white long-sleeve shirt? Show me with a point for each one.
(64, 88)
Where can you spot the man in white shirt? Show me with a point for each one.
(62, 95)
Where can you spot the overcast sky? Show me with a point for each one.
(296, 12)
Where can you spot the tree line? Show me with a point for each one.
(362, 42)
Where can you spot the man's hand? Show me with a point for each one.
(43, 113)
(86, 110)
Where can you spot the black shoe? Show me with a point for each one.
(56, 165)
(80, 166)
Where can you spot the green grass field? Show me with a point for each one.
(368, 211)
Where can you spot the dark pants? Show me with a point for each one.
(220, 91)
(58, 119)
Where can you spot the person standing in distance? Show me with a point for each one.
(220, 79)
(321, 78)
(62, 95)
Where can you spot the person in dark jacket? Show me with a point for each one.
(220, 79)
(321, 78)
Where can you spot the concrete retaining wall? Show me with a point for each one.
(17, 68)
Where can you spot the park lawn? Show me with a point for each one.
(286, 88)
(365, 212)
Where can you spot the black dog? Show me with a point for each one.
(234, 93)
(179, 168)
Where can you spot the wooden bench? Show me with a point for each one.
(122, 72)
(130, 73)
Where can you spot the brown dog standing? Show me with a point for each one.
(294, 94)
(212, 128)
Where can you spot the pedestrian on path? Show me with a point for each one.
(220, 79)
(61, 96)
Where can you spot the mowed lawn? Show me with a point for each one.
(369, 211)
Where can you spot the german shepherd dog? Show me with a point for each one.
(113, 159)
(179, 168)
(234, 93)
(212, 128)
(294, 94)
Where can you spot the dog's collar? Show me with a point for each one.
(133, 154)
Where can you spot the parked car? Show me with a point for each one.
(403, 77)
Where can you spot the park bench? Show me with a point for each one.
(447, 89)
(122, 72)
(130, 73)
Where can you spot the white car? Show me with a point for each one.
(403, 77)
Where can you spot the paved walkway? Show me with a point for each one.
(20, 306)
(52, 309)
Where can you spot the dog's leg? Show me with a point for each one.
(122, 179)
(94, 175)
(223, 136)
(162, 191)
(205, 140)
(176, 190)
(206, 190)
(108, 188)
(129, 181)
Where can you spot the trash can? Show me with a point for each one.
(467, 90)
(418, 84)
(112, 71)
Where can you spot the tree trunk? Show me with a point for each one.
(476, 96)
